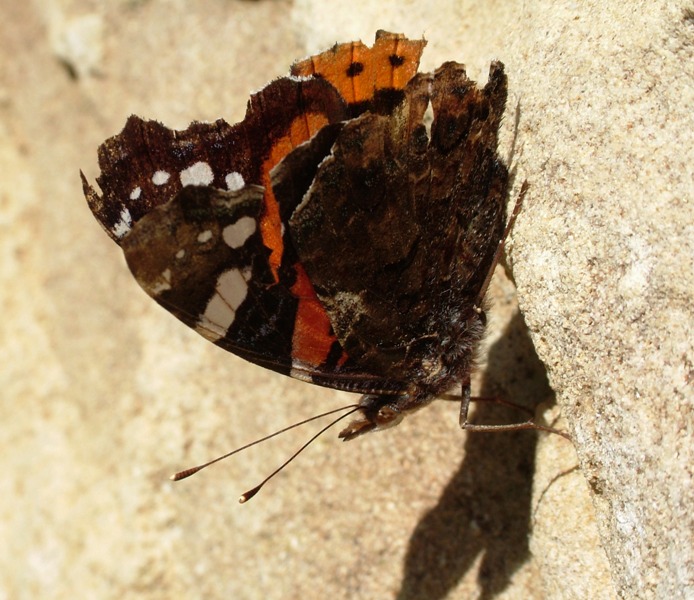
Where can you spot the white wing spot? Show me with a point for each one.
(220, 312)
(181, 253)
(232, 287)
(160, 177)
(234, 181)
(163, 284)
(124, 225)
(216, 320)
(135, 194)
(298, 371)
(205, 236)
(199, 173)
(236, 234)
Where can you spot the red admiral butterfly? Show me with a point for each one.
(331, 235)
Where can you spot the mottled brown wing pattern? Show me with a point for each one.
(420, 220)
(149, 174)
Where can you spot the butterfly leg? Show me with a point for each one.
(529, 424)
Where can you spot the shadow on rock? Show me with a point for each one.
(485, 509)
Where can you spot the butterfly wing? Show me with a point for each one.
(367, 78)
(202, 257)
(406, 214)
(256, 301)
(147, 164)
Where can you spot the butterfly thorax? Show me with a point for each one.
(443, 359)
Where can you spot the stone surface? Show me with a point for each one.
(104, 394)
(606, 283)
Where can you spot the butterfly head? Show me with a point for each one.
(378, 412)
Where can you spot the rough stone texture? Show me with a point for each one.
(104, 394)
(606, 281)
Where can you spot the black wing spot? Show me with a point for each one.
(354, 69)
(396, 60)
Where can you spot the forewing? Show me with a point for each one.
(147, 164)
(201, 257)
(367, 78)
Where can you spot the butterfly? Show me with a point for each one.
(337, 234)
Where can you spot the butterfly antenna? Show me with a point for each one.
(248, 495)
(502, 242)
(253, 491)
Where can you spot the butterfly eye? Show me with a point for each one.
(388, 417)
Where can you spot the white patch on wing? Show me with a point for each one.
(181, 253)
(236, 234)
(124, 225)
(234, 181)
(232, 287)
(160, 177)
(299, 371)
(220, 312)
(135, 194)
(163, 284)
(205, 236)
(215, 321)
(199, 173)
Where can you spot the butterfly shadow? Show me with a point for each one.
(484, 512)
